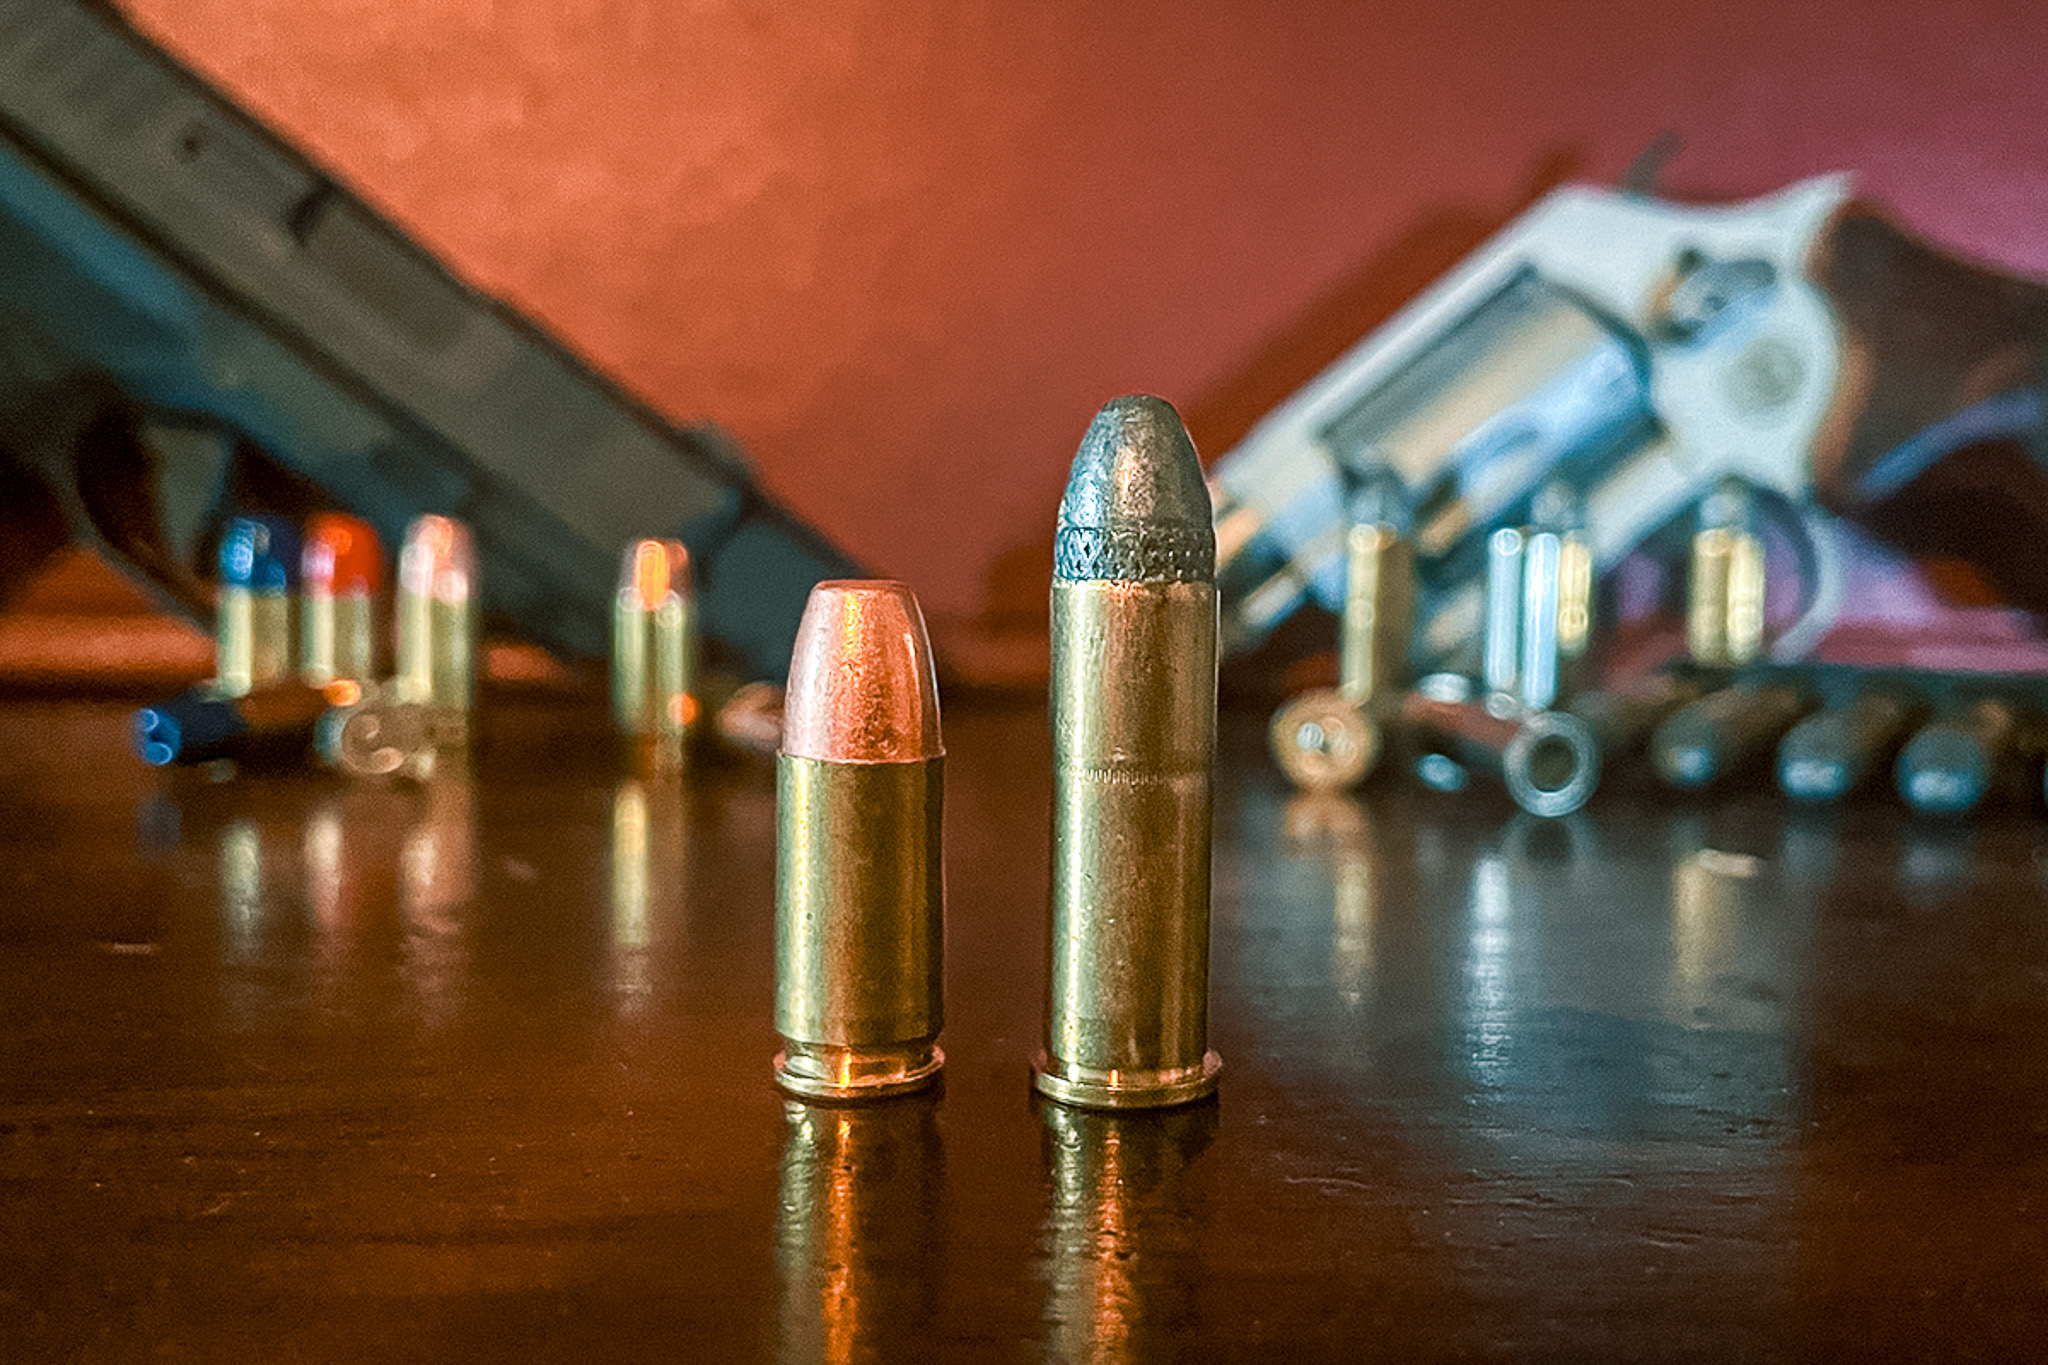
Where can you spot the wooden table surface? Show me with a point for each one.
(297, 1069)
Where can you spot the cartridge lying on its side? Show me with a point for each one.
(1724, 732)
(1134, 735)
(1973, 753)
(859, 876)
(1831, 753)
(1548, 759)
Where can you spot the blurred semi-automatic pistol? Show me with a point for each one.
(196, 321)
(1646, 353)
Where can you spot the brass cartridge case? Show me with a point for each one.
(1324, 741)
(1548, 760)
(259, 571)
(1328, 739)
(341, 573)
(859, 874)
(1134, 631)
(1724, 617)
(654, 647)
(436, 619)
(1379, 609)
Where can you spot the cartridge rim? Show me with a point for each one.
(1324, 741)
(1530, 764)
(1088, 1088)
(824, 1071)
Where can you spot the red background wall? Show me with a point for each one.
(904, 248)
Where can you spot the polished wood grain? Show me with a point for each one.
(292, 1069)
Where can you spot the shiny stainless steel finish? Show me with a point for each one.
(1548, 759)
(1725, 731)
(1538, 680)
(1134, 623)
(1501, 657)
(1830, 754)
(859, 885)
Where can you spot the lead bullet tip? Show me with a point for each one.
(862, 688)
(1136, 507)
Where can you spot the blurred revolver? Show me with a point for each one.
(1643, 353)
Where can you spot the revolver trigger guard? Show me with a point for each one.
(1823, 577)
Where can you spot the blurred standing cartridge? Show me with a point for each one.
(259, 568)
(1547, 758)
(341, 573)
(1379, 590)
(1725, 732)
(1501, 648)
(1557, 599)
(1327, 739)
(437, 624)
(654, 647)
(1134, 733)
(1831, 753)
(859, 876)
(1973, 753)
(1724, 617)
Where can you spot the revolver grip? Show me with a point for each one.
(1924, 336)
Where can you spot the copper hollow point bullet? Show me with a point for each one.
(859, 874)
(1134, 623)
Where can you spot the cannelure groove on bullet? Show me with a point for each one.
(1134, 625)
(859, 874)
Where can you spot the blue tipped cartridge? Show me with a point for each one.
(200, 725)
(259, 569)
